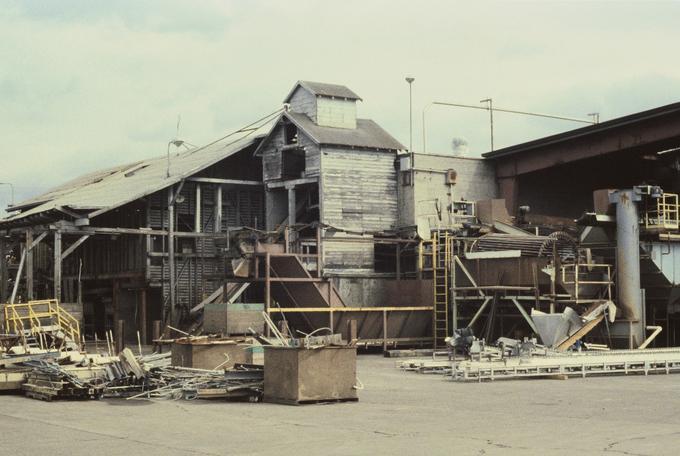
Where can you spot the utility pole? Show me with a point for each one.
(410, 80)
(489, 102)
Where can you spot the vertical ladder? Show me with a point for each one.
(441, 259)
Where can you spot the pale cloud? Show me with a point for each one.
(89, 84)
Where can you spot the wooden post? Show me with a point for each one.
(171, 254)
(3, 270)
(218, 209)
(198, 221)
(142, 315)
(398, 261)
(330, 319)
(384, 312)
(57, 265)
(120, 335)
(29, 265)
(352, 324)
(318, 251)
(157, 335)
(267, 287)
(115, 296)
(291, 206)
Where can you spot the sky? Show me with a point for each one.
(90, 84)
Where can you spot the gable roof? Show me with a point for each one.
(114, 187)
(322, 89)
(367, 134)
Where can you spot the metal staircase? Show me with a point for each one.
(34, 321)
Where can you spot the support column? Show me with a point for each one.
(218, 208)
(198, 220)
(291, 206)
(628, 260)
(57, 265)
(267, 287)
(142, 315)
(171, 253)
(3, 270)
(29, 265)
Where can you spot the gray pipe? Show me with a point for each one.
(628, 260)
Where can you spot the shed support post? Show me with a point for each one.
(291, 206)
(218, 209)
(3, 270)
(142, 315)
(267, 287)
(57, 265)
(198, 220)
(29, 265)
(171, 253)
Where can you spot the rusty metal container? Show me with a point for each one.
(302, 376)
(211, 354)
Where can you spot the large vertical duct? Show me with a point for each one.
(628, 260)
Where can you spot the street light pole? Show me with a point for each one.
(489, 102)
(176, 143)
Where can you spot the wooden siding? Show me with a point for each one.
(358, 192)
(304, 102)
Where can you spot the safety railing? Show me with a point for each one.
(37, 315)
(665, 214)
(572, 274)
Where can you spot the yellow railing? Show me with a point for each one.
(665, 215)
(36, 315)
(571, 275)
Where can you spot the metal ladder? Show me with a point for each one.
(441, 260)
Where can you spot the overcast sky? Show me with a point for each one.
(88, 84)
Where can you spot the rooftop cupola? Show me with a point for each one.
(327, 105)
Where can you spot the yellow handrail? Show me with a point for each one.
(34, 314)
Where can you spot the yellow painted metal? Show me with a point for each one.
(441, 264)
(35, 316)
(665, 215)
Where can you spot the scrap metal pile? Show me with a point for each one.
(49, 376)
(562, 354)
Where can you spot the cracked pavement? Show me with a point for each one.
(397, 413)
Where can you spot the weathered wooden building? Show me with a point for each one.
(147, 241)
(323, 164)
(136, 242)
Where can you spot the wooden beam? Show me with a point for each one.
(293, 182)
(142, 315)
(18, 277)
(211, 180)
(37, 240)
(218, 209)
(525, 315)
(171, 252)
(57, 265)
(74, 246)
(3, 270)
(198, 219)
(29, 265)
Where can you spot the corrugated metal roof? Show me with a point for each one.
(116, 186)
(324, 90)
(586, 131)
(367, 134)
